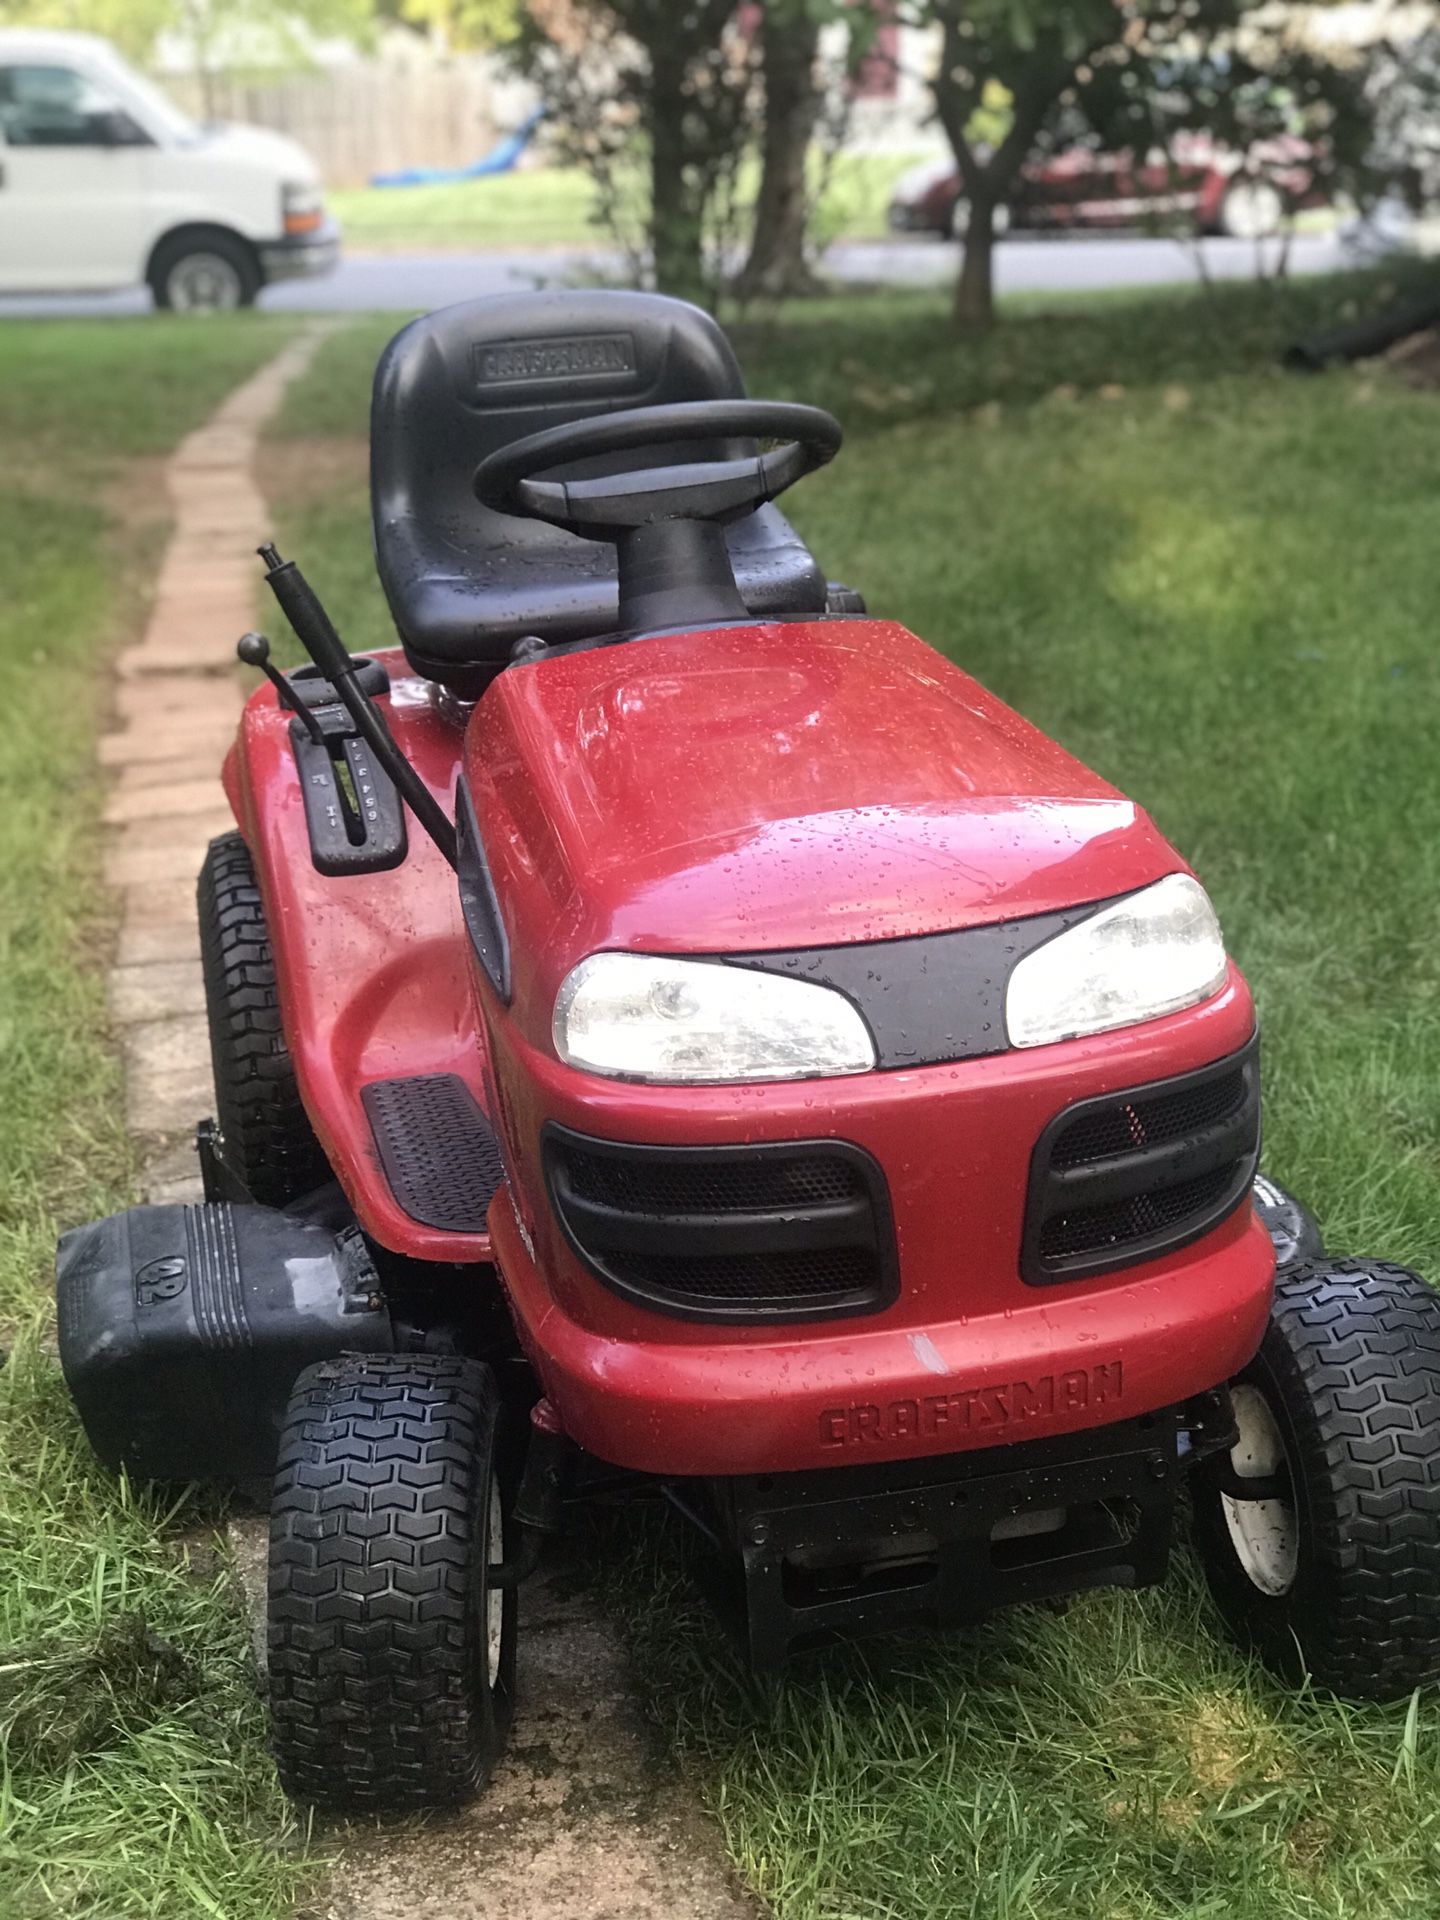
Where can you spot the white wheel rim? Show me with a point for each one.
(1264, 1533)
(494, 1598)
(204, 283)
(1253, 211)
(960, 219)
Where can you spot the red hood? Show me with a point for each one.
(807, 784)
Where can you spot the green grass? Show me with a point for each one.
(1217, 585)
(882, 359)
(104, 390)
(133, 1778)
(534, 207)
(1114, 1763)
(538, 207)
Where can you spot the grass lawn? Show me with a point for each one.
(133, 1777)
(552, 207)
(1215, 582)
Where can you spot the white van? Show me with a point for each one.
(104, 183)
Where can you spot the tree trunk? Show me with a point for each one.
(676, 240)
(1049, 68)
(974, 308)
(789, 46)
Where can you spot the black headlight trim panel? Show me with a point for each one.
(928, 998)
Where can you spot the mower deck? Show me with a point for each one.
(812, 1556)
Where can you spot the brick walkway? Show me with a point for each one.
(177, 703)
(584, 1821)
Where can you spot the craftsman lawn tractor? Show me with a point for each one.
(677, 1034)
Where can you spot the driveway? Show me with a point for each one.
(416, 282)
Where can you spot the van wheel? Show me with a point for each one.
(204, 273)
(391, 1656)
(1319, 1529)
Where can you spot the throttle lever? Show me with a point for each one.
(253, 650)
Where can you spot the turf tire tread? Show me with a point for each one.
(1353, 1347)
(376, 1522)
(267, 1133)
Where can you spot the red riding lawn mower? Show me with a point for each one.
(676, 1033)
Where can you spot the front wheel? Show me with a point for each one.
(204, 273)
(391, 1653)
(1293, 1230)
(1319, 1529)
(960, 219)
(1251, 210)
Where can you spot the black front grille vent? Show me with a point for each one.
(766, 1232)
(1136, 1174)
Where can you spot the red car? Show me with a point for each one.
(1246, 198)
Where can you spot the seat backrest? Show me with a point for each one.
(464, 583)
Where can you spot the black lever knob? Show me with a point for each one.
(253, 649)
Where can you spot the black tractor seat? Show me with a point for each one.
(463, 582)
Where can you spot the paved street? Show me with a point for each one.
(1076, 262)
(411, 283)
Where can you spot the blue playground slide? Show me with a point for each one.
(500, 159)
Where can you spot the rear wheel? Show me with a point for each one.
(1320, 1528)
(266, 1133)
(391, 1656)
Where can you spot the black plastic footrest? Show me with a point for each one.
(438, 1150)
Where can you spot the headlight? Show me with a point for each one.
(1153, 953)
(634, 1016)
(302, 206)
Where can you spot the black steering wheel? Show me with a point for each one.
(710, 490)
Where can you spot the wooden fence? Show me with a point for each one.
(367, 117)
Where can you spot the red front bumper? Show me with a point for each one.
(967, 1356)
(877, 1392)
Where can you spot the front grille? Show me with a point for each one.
(712, 1186)
(1148, 1121)
(1086, 1229)
(767, 1232)
(757, 1277)
(1136, 1174)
